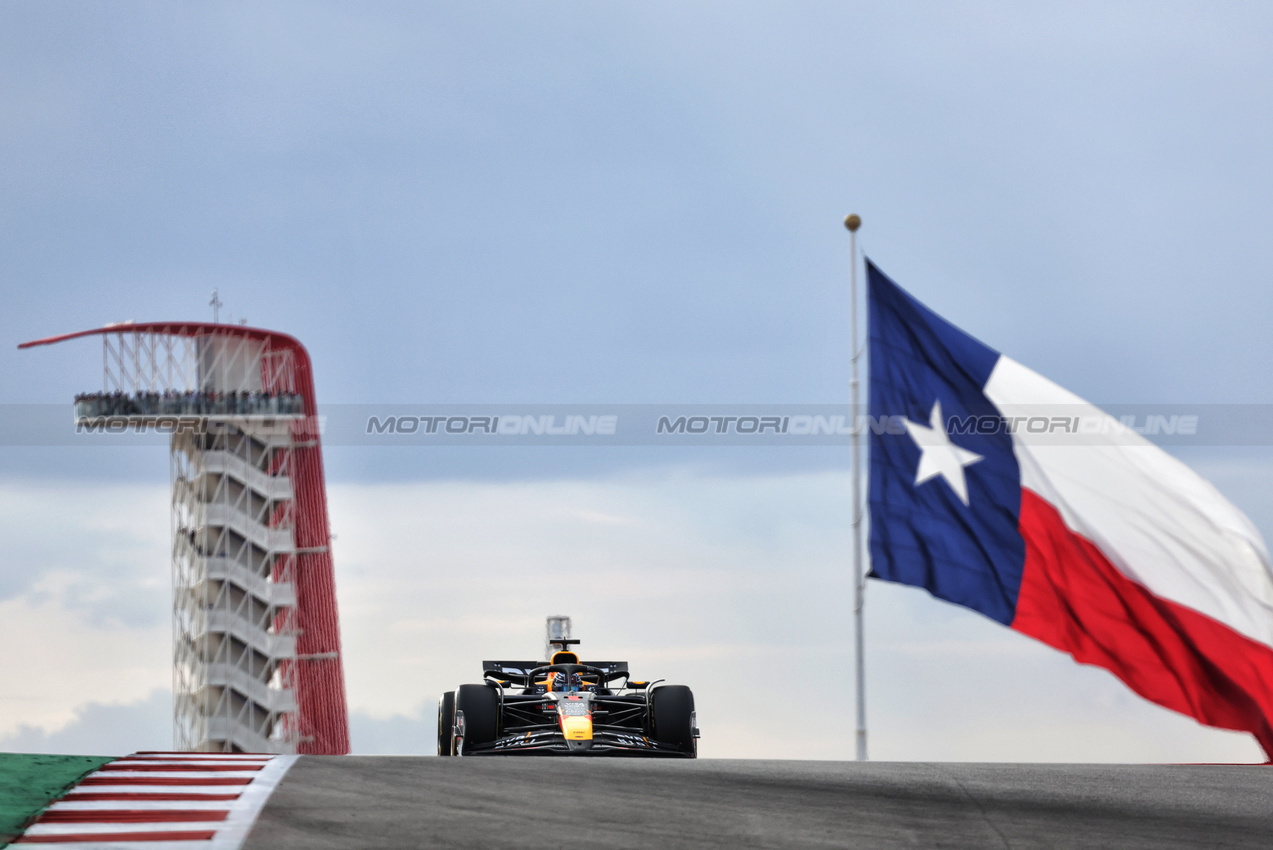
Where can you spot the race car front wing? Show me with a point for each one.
(548, 742)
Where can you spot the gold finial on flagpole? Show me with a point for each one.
(853, 221)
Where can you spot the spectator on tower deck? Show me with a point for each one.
(208, 402)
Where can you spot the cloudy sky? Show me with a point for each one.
(637, 204)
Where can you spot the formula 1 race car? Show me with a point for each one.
(566, 707)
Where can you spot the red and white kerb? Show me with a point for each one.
(162, 801)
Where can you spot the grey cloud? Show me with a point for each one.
(105, 730)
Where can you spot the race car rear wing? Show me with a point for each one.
(519, 671)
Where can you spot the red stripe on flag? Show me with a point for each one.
(165, 780)
(158, 796)
(1074, 599)
(131, 816)
(174, 768)
(104, 837)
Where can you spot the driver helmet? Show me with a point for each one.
(561, 684)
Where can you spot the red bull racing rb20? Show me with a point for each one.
(566, 708)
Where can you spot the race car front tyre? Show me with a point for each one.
(672, 710)
(446, 720)
(480, 707)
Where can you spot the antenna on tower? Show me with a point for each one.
(556, 629)
(216, 306)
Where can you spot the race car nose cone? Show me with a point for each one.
(577, 728)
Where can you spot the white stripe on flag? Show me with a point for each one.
(1159, 522)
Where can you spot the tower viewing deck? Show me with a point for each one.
(256, 640)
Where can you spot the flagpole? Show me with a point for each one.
(852, 223)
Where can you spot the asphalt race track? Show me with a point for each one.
(387, 802)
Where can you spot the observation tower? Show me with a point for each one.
(256, 639)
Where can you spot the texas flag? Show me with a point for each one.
(1000, 491)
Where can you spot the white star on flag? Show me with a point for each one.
(939, 456)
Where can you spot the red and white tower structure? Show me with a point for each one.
(256, 640)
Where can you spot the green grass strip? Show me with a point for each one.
(29, 782)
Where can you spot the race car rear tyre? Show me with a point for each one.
(672, 710)
(446, 721)
(480, 705)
